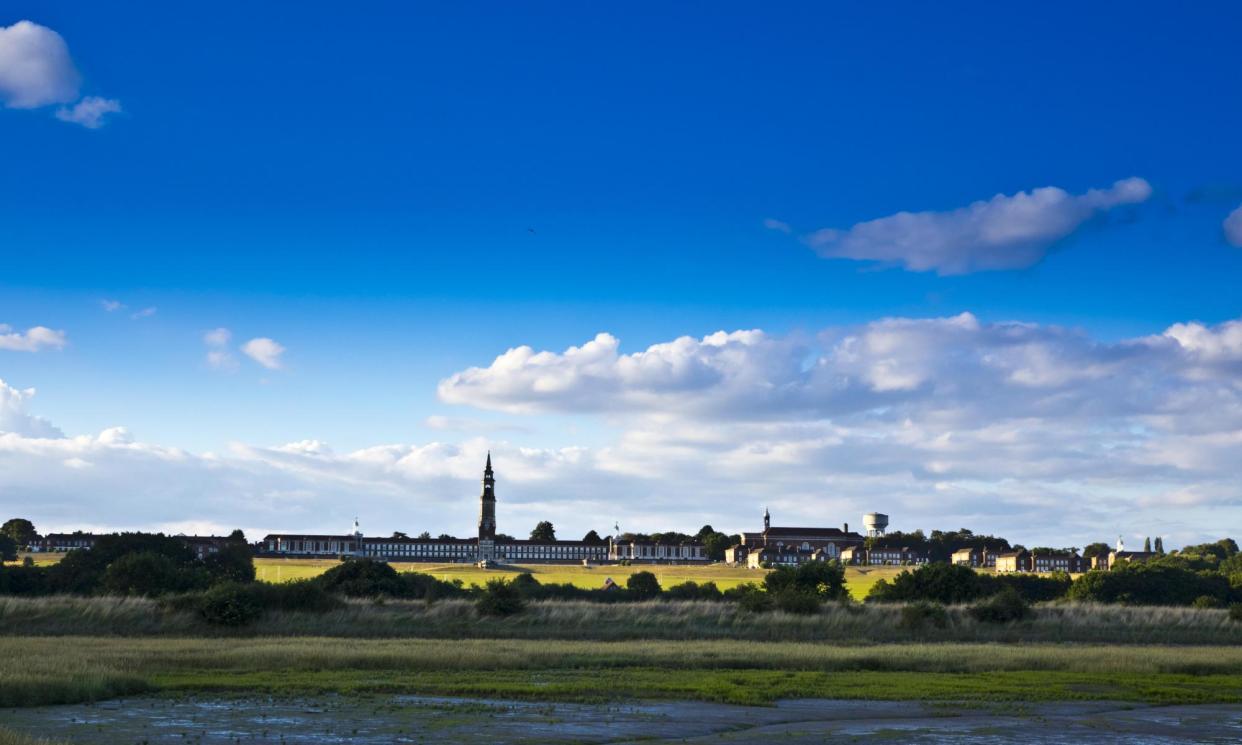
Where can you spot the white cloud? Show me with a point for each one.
(778, 225)
(1041, 433)
(218, 355)
(266, 352)
(1004, 232)
(1233, 227)
(36, 70)
(144, 313)
(34, 339)
(14, 417)
(111, 306)
(89, 112)
(35, 67)
(217, 337)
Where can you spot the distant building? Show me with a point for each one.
(1012, 561)
(1116, 558)
(789, 546)
(883, 556)
(1042, 561)
(487, 547)
(202, 546)
(975, 558)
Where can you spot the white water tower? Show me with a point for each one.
(875, 523)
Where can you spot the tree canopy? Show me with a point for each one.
(543, 532)
(21, 530)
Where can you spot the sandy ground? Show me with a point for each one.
(410, 719)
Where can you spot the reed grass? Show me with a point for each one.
(576, 620)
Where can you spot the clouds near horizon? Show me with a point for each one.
(1004, 232)
(1036, 431)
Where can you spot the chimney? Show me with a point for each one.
(846, 529)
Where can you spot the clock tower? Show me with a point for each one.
(487, 514)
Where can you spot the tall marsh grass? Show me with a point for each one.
(573, 620)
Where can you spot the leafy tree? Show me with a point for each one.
(940, 583)
(399, 535)
(21, 530)
(82, 572)
(237, 535)
(447, 537)
(1147, 544)
(505, 537)
(8, 548)
(715, 544)
(234, 562)
(1157, 582)
(592, 537)
(1159, 545)
(543, 532)
(424, 536)
(1092, 550)
(145, 573)
(823, 579)
(643, 585)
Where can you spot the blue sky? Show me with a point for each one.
(397, 195)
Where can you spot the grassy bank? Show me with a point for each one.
(575, 620)
(37, 670)
(858, 579)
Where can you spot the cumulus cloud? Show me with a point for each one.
(1011, 418)
(1004, 232)
(34, 339)
(144, 313)
(35, 67)
(1233, 227)
(266, 352)
(36, 70)
(1042, 433)
(111, 306)
(14, 417)
(89, 112)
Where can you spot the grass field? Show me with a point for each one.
(859, 579)
(37, 670)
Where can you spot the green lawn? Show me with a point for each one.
(858, 579)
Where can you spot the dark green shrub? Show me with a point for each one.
(826, 579)
(234, 562)
(231, 604)
(1005, 606)
(147, 573)
(797, 600)
(643, 585)
(499, 598)
(1206, 601)
(693, 591)
(26, 579)
(1235, 612)
(917, 615)
(8, 548)
(940, 583)
(1154, 583)
(755, 600)
(304, 595)
(362, 578)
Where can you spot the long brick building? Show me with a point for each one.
(487, 546)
